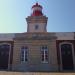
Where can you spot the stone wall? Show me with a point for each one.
(34, 56)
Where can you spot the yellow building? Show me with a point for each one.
(37, 49)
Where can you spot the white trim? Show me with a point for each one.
(60, 54)
(24, 55)
(9, 53)
(44, 54)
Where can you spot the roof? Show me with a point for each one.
(36, 5)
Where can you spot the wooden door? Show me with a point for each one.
(4, 56)
(67, 57)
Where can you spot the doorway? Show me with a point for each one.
(4, 56)
(67, 57)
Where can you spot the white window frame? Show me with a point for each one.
(24, 50)
(44, 51)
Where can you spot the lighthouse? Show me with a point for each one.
(36, 22)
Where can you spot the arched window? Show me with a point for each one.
(44, 54)
(66, 49)
(24, 54)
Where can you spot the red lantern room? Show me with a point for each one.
(37, 10)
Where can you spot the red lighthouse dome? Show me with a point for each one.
(37, 10)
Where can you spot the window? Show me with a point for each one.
(36, 27)
(44, 54)
(24, 54)
(66, 49)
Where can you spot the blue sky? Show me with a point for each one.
(60, 13)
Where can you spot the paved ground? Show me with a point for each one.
(33, 73)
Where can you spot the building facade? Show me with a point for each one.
(37, 49)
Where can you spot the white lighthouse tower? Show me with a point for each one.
(37, 22)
